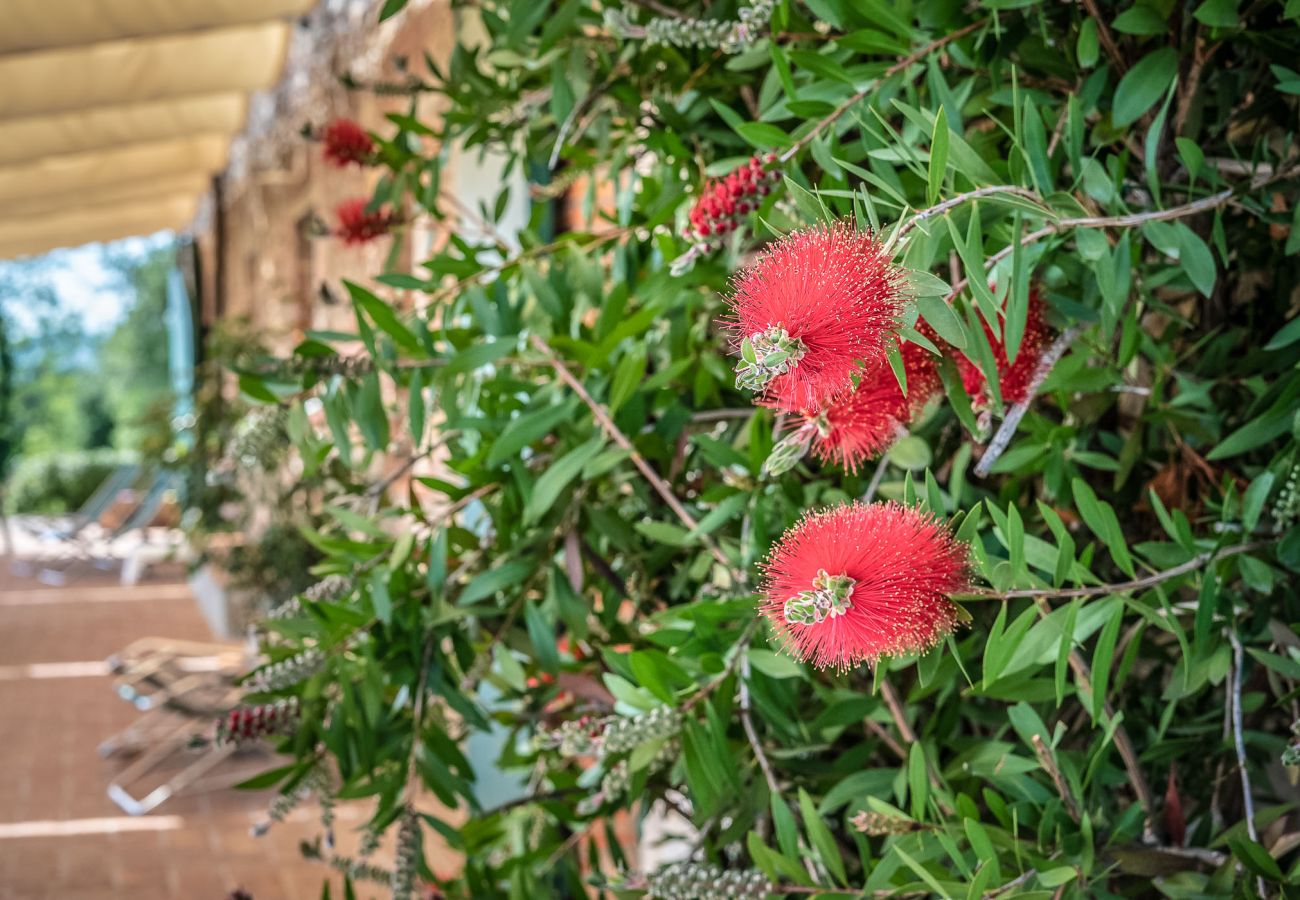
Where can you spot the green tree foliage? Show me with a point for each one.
(1111, 720)
(70, 389)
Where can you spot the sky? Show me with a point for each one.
(84, 284)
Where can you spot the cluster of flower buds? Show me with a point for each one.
(317, 781)
(248, 723)
(700, 881)
(619, 778)
(407, 855)
(829, 598)
(875, 824)
(369, 843)
(287, 672)
(576, 737)
(724, 203)
(788, 451)
(260, 437)
(360, 870)
(358, 224)
(729, 36)
(1286, 509)
(329, 589)
(321, 366)
(623, 733)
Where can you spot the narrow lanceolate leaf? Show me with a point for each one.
(938, 154)
(1101, 520)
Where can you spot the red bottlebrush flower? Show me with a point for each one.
(862, 581)
(247, 723)
(1014, 378)
(346, 142)
(863, 422)
(723, 204)
(358, 225)
(813, 307)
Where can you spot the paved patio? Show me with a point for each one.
(60, 835)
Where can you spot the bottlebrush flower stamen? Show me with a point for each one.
(346, 143)
(857, 582)
(359, 225)
(835, 291)
(863, 422)
(1015, 378)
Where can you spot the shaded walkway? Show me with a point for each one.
(60, 835)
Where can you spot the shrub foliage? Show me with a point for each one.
(578, 587)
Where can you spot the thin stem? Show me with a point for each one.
(895, 705)
(1247, 795)
(897, 67)
(952, 202)
(876, 477)
(732, 663)
(1023, 878)
(653, 477)
(417, 716)
(1002, 439)
(1136, 584)
(1123, 743)
(1047, 760)
(748, 722)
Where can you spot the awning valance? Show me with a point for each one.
(115, 112)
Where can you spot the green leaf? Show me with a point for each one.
(629, 374)
(657, 673)
(1287, 335)
(384, 317)
(820, 837)
(1256, 858)
(391, 8)
(1101, 520)
(1087, 47)
(254, 387)
(555, 479)
(525, 429)
(1196, 258)
(1143, 85)
(943, 320)
(918, 780)
(1218, 13)
(1252, 502)
(938, 154)
(541, 633)
(1101, 660)
(774, 665)
(1140, 19)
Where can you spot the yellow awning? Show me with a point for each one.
(116, 114)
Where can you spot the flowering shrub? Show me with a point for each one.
(971, 576)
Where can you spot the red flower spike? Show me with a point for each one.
(863, 422)
(1014, 378)
(862, 581)
(346, 142)
(724, 201)
(358, 225)
(813, 307)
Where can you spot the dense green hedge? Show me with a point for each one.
(53, 483)
(1111, 716)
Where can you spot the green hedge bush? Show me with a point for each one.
(1106, 189)
(54, 483)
